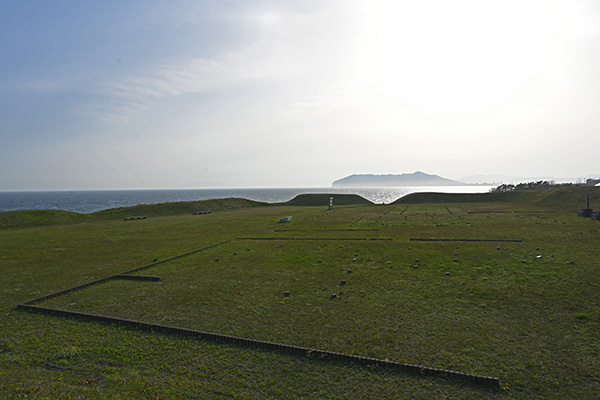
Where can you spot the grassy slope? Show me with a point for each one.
(534, 324)
(30, 218)
(177, 208)
(427, 197)
(562, 197)
(322, 199)
(572, 197)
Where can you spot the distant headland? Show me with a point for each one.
(415, 179)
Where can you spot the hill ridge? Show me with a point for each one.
(417, 178)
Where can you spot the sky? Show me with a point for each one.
(122, 94)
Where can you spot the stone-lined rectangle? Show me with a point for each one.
(487, 381)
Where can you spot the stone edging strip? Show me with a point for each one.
(138, 278)
(465, 240)
(66, 291)
(308, 238)
(97, 281)
(131, 271)
(512, 212)
(326, 230)
(485, 381)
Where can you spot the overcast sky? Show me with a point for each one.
(119, 94)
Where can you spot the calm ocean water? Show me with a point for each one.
(89, 201)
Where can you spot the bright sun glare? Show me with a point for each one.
(460, 56)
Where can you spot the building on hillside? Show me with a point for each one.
(592, 182)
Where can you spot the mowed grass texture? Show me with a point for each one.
(527, 312)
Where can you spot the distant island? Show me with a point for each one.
(415, 179)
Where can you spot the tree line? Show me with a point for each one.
(523, 186)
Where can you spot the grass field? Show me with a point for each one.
(522, 305)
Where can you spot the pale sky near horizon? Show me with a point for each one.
(120, 94)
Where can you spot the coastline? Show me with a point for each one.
(89, 201)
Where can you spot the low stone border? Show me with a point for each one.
(327, 230)
(138, 278)
(97, 281)
(486, 381)
(66, 291)
(172, 258)
(132, 218)
(512, 212)
(464, 240)
(284, 238)
(389, 212)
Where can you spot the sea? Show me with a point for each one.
(90, 201)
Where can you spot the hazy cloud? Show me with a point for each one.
(243, 93)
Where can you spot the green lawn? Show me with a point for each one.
(527, 312)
